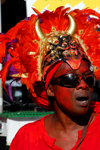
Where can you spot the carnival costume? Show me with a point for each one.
(34, 49)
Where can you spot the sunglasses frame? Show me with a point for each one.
(58, 80)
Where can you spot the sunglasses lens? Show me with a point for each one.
(70, 80)
(90, 81)
(73, 80)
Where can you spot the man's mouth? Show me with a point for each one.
(83, 100)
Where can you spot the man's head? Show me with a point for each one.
(72, 89)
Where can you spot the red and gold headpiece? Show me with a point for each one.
(60, 46)
(34, 45)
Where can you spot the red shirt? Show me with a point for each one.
(34, 137)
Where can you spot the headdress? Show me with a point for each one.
(37, 43)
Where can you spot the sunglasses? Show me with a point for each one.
(72, 80)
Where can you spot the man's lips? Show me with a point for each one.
(82, 98)
(82, 101)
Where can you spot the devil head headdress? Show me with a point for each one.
(60, 46)
(36, 44)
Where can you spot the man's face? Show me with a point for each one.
(73, 100)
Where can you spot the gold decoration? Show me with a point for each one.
(31, 53)
(38, 29)
(80, 31)
(95, 68)
(48, 40)
(71, 30)
(53, 29)
(72, 27)
(23, 75)
(54, 40)
(35, 41)
(81, 43)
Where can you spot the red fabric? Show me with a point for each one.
(51, 72)
(40, 88)
(33, 136)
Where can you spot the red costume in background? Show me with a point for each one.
(33, 136)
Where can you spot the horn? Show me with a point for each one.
(71, 30)
(72, 27)
(38, 29)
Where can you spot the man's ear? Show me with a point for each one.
(50, 91)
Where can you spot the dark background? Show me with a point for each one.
(12, 11)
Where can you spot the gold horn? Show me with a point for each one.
(71, 30)
(38, 29)
(72, 27)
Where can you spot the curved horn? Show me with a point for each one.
(38, 29)
(72, 27)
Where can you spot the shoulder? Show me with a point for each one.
(27, 134)
(28, 128)
(95, 106)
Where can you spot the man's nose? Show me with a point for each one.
(83, 85)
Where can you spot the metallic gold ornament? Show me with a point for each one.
(71, 30)
(23, 75)
(72, 27)
(31, 53)
(38, 29)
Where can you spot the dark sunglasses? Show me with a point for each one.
(72, 80)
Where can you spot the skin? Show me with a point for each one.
(69, 116)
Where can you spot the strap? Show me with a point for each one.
(84, 132)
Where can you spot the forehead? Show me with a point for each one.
(65, 68)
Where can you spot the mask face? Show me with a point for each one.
(66, 49)
(74, 101)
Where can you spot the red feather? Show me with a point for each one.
(27, 40)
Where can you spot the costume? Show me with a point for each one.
(33, 50)
(34, 136)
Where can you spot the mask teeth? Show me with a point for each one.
(80, 52)
(76, 52)
(53, 58)
(67, 52)
(49, 47)
(72, 52)
(53, 51)
(53, 40)
(57, 55)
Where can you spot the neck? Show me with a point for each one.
(69, 121)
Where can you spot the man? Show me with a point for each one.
(57, 67)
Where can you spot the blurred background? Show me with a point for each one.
(12, 11)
